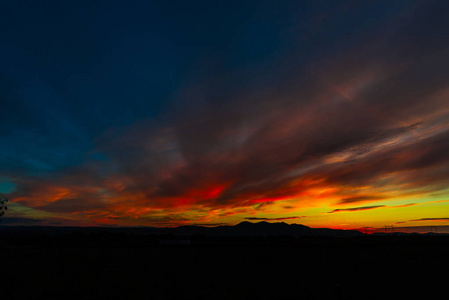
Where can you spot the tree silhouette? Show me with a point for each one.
(3, 206)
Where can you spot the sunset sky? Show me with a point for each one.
(164, 113)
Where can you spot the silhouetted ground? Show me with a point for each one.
(96, 264)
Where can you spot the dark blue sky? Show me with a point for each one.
(84, 83)
(72, 70)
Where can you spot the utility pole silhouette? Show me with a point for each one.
(388, 228)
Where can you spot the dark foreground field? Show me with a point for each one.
(126, 266)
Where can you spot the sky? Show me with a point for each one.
(166, 113)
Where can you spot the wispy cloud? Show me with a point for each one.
(371, 125)
(374, 207)
(355, 208)
(361, 199)
(430, 219)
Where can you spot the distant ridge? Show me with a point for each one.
(243, 229)
(262, 229)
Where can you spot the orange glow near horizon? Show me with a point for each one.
(347, 145)
(315, 207)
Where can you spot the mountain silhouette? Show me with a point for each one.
(259, 229)
(262, 228)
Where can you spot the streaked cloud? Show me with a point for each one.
(431, 219)
(361, 123)
(355, 208)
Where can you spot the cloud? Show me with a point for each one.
(367, 126)
(406, 205)
(361, 199)
(355, 208)
(376, 206)
(430, 219)
(72, 205)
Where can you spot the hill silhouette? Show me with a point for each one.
(244, 261)
(262, 228)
